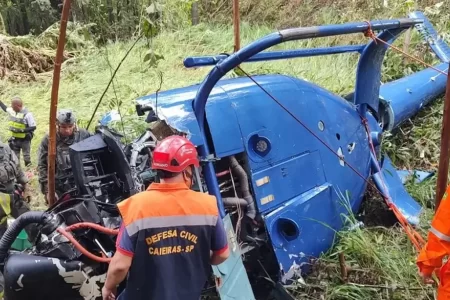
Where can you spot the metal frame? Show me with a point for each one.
(201, 61)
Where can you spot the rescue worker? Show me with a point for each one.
(66, 135)
(12, 202)
(22, 126)
(170, 234)
(438, 247)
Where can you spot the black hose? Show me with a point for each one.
(245, 188)
(16, 227)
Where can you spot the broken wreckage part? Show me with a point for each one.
(77, 237)
(277, 183)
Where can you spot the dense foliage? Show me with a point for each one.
(113, 19)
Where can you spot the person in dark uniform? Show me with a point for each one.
(22, 126)
(170, 235)
(13, 201)
(66, 135)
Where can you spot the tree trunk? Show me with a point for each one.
(23, 11)
(194, 13)
(109, 7)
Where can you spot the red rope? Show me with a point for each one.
(369, 33)
(413, 235)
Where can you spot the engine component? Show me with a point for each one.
(83, 250)
(148, 176)
(16, 227)
(94, 173)
(59, 277)
(85, 211)
(234, 201)
(140, 154)
(245, 188)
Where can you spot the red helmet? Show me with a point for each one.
(174, 154)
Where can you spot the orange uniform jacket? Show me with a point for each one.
(169, 230)
(438, 244)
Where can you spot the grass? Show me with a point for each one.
(378, 256)
(380, 261)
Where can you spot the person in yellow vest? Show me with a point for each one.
(22, 126)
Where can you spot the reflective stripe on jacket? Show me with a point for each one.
(17, 122)
(438, 244)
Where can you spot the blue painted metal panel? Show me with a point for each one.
(311, 104)
(323, 113)
(304, 227)
(200, 61)
(406, 96)
(109, 117)
(226, 132)
(284, 183)
(232, 273)
(395, 189)
(256, 112)
(368, 74)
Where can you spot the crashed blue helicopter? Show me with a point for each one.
(285, 132)
(278, 153)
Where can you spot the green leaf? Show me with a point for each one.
(149, 28)
(152, 58)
